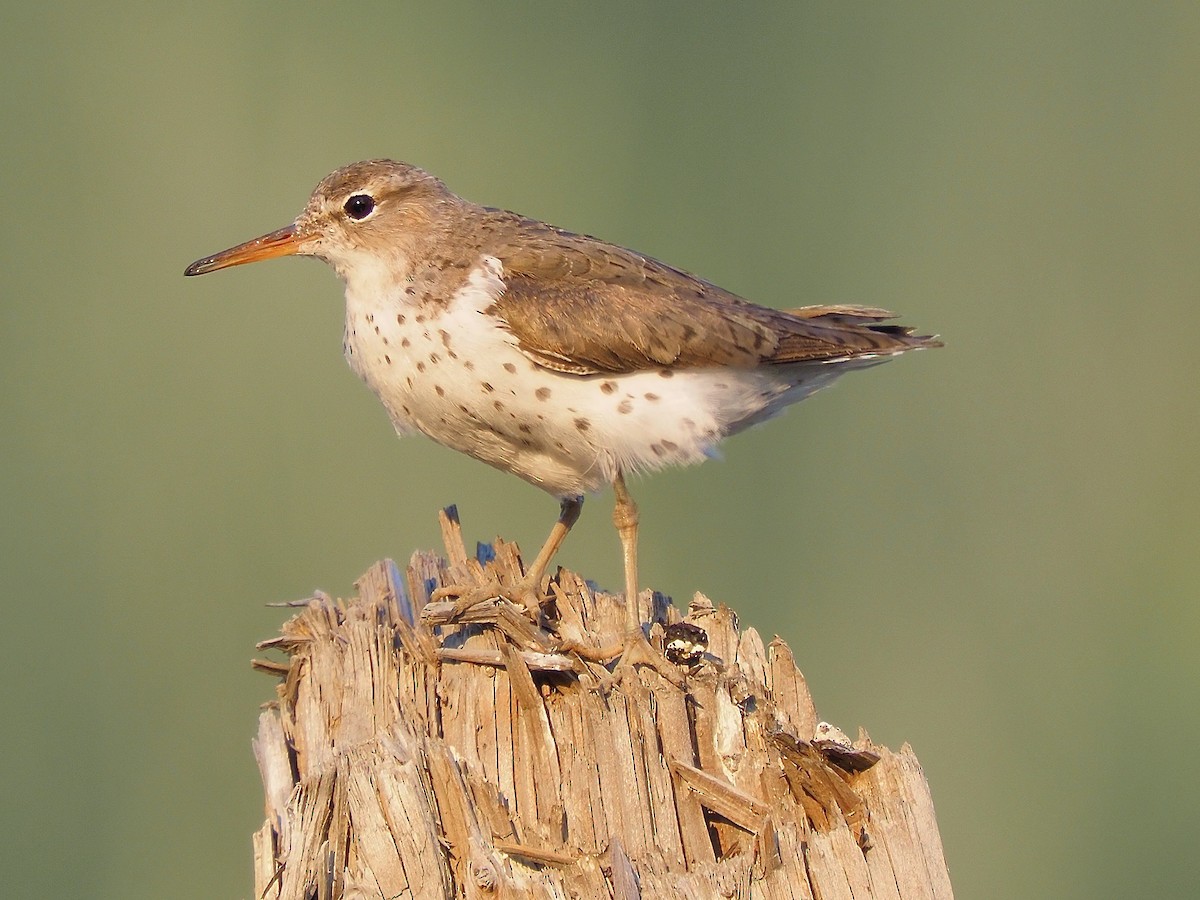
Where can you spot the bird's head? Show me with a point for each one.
(362, 216)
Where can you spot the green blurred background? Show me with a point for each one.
(989, 551)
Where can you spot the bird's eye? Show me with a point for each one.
(359, 206)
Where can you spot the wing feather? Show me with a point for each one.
(580, 305)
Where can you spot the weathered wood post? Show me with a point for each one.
(417, 750)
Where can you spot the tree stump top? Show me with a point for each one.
(417, 750)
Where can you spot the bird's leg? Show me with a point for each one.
(626, 517)
(568, 515)
(527, 591)
(635, 650)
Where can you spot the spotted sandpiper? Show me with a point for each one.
(555, 356)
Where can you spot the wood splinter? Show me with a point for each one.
(411, 756)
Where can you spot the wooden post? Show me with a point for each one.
(422, 751)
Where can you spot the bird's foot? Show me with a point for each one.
(635, 651)
(638, 651)
(523, 594)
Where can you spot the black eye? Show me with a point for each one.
(359, 206)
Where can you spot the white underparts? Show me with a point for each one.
(451, 371)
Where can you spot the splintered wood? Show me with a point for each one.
(420, 751)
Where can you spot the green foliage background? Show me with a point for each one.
(989, 551)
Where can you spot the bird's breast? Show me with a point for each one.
(447, 367)
(401, 340)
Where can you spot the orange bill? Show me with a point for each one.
(283, 242)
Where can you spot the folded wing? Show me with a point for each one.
(586, 307)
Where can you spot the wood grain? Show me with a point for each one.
(420, 752)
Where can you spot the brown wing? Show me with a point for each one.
(576, 304)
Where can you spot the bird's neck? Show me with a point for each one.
(372, 281)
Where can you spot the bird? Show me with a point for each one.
(558, 357)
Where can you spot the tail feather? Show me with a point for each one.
(844, 332)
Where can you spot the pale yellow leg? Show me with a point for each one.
(528, 590)
(625, 517)
(567, 517)
(636, 650)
